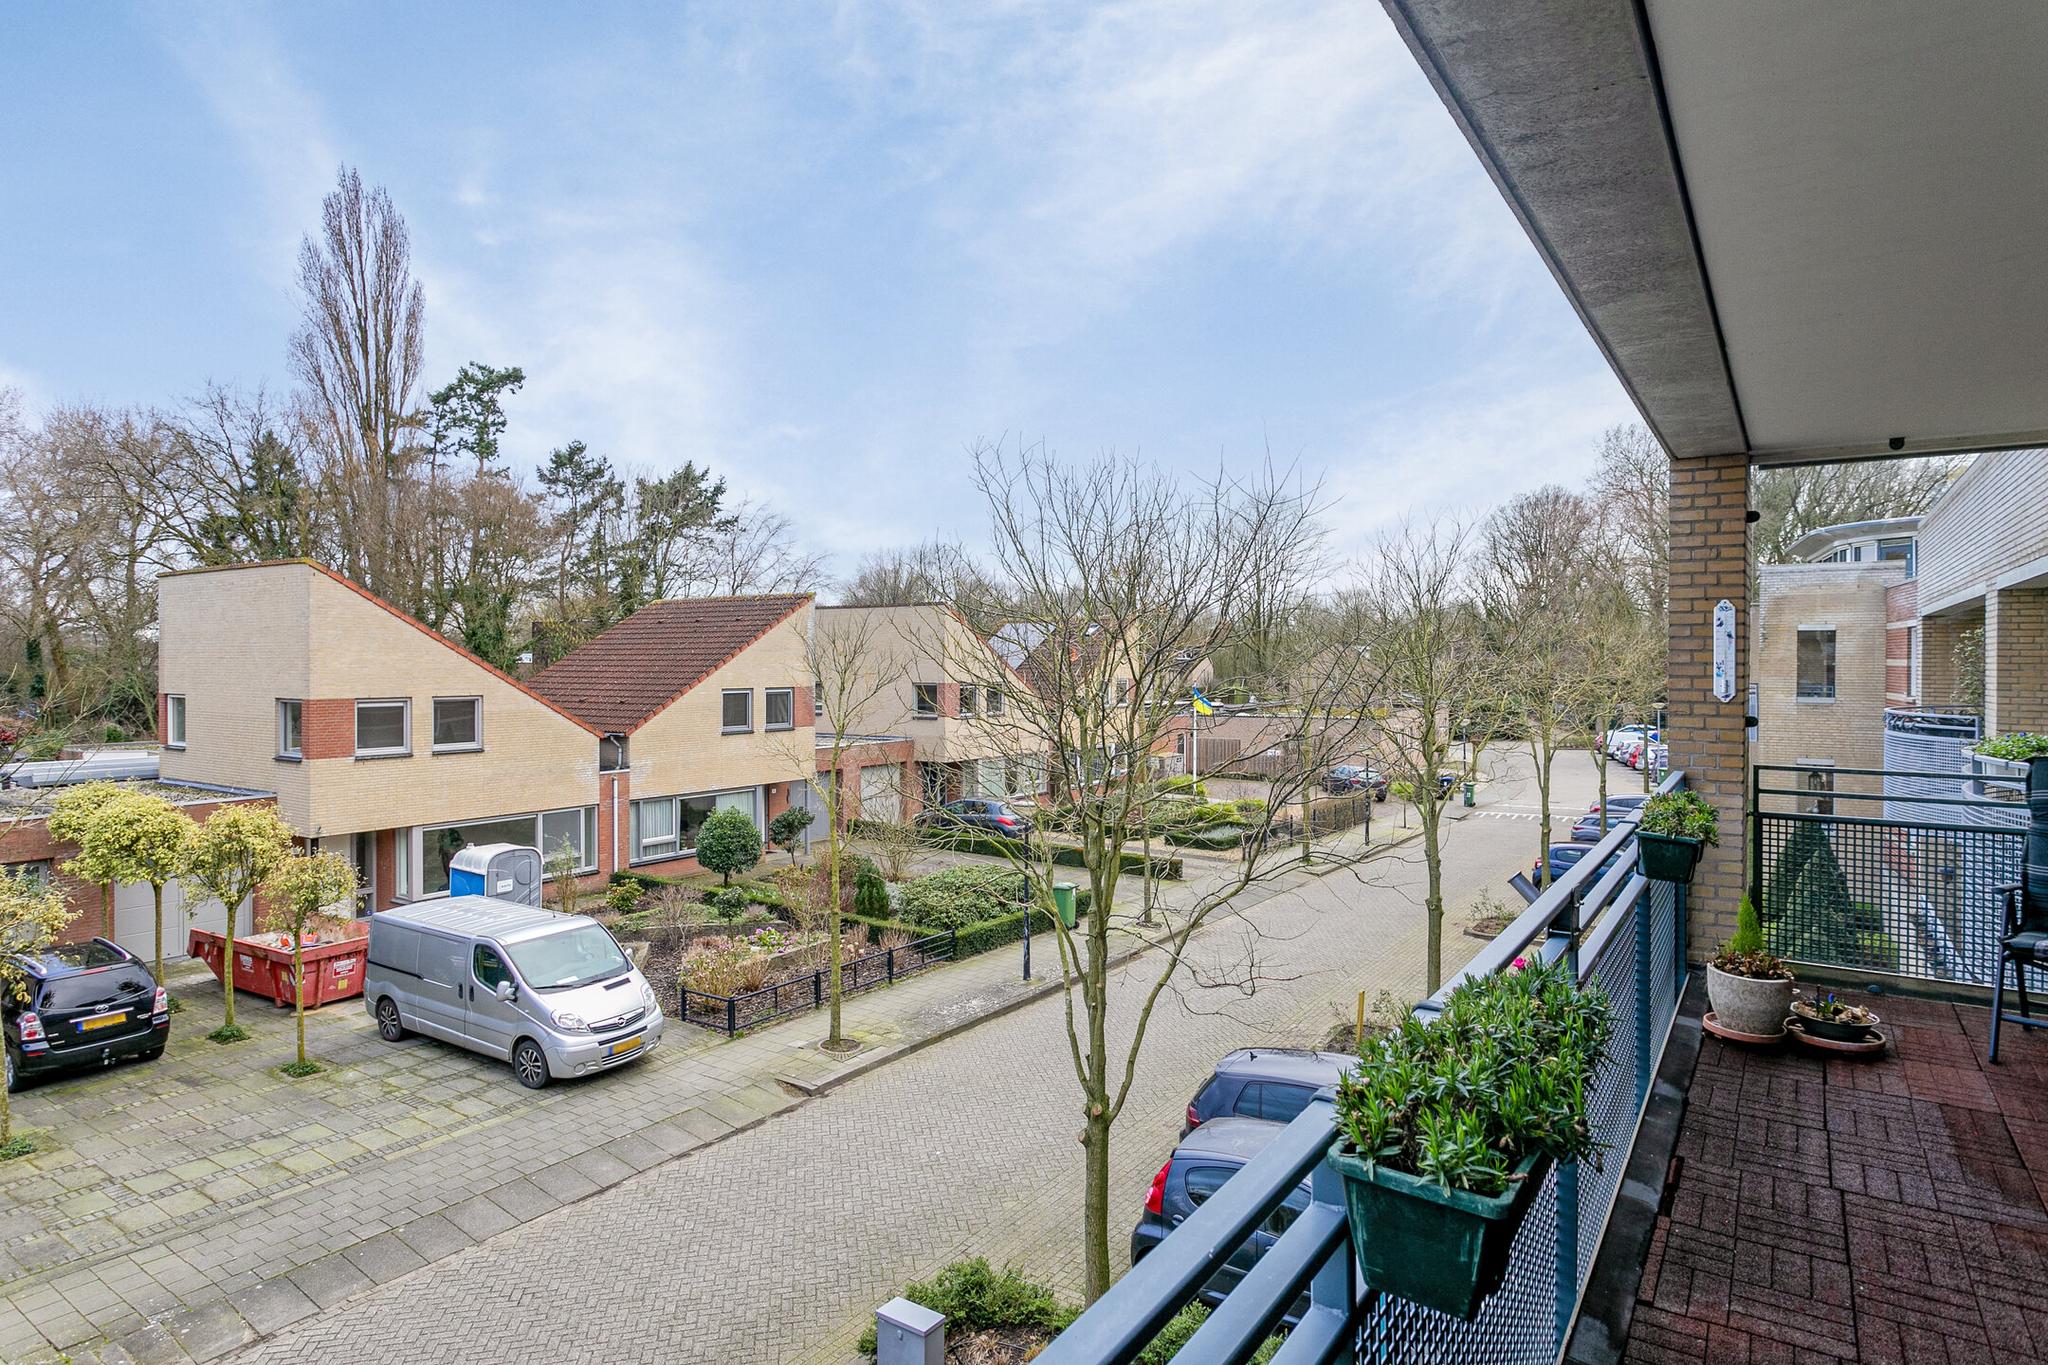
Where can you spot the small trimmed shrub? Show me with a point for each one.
(958, 896)
(623, 897)
(1181, 1326)
(788, 827)
(729, 904)
(870, 893)
(1061, 855)
(1681, 815)
(976, 1298)
(728, 842)
(1182, 786)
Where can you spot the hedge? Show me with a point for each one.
(1062, 855)
(757, 892)
(1216, 838)
(982, 937)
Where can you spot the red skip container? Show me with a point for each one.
(263, 965)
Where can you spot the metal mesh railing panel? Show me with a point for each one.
(1904, 899)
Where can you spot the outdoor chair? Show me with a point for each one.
(2024, 945)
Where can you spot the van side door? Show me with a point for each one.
(443, 980)
(493, 1023)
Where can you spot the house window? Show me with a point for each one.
(401, 864)
(736, 712)
(36, 874)
(1913, 662)
(966, 699)
(778, 705)
(574, 829)
(383, 728)
(174, 721)
(1900, 549)
(1816, 664)
(992, 701)
(927, 699)
(458, 723)
(611, 754)
(291, 729)
(440, 844)
(654, 829)
(666, 826)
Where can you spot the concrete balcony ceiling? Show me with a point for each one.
(1800, 231)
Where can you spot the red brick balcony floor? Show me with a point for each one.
(1884, 1211)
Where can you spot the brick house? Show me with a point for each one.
(386, 741)
(697, 704)
(27, 846)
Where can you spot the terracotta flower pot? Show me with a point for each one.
(1749, 1004)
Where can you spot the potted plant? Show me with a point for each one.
(1446, 1130)
(1749, 989)
(1824, 1016)
(2019, 759)
(1674, 829)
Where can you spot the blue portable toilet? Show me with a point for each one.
(507, 872)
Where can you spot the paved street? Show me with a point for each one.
(777, 1243)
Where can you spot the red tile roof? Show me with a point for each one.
(637, 669)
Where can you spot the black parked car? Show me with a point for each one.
(1345, 778)
(1197, 1169)
(1272, 1083)
(89, 1004)
(980, 814)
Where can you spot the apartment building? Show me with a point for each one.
(382, 739)
(925, 677)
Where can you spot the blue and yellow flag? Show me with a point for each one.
(1202, 706)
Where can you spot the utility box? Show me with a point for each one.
(506, 872)
(909, 1333)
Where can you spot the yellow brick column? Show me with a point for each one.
(1710, 561)
(2015, 660)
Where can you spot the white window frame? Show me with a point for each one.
(402, 862)
(174, 720)
(291, 752)
(587, 836)
(1833, 680)
(404, 748)
(476, 707)
(768, 697)
(669, 845)
(727, 694)
(1913, 662)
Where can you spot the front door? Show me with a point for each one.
(362, 855)
(493, 1023)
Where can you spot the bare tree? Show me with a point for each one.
(754, 550)
(1792, 501)
(931, 571)
(1122, 579)
(1632, 490)
(357, 354)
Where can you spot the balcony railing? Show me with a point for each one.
(1618, 929)
(1883, 871)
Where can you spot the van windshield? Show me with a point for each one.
(574, 957)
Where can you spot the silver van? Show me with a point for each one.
(551, 993)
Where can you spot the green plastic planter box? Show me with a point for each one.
(1666, 857)
(1444, 1249)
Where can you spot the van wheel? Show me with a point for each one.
(529, 1064)
(389, 1027)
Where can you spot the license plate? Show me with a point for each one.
(102, 1021)
(625, 1045)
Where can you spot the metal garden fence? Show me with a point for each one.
(1898, 879)
(732, 1014)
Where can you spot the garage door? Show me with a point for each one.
(135, 920)
(879, 797)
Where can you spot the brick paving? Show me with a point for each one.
(1888, 1210)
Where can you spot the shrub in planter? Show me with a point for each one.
(1824, 1016)
(1674, 828)
(1448, 1129)
(1749, 989)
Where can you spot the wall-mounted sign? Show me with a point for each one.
(1724, 650)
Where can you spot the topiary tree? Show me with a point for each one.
(231, 855)
(142, 838)
(1806, 836)
(870, 893)
(32, 914)
(728, 843)
(303, 887)
(74, 820)
(788, 827)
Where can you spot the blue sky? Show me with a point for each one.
(821, 249)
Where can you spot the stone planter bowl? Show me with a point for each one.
(1749, 1004)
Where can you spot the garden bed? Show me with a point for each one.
(806, 991)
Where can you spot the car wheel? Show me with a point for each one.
(152, 1054)
(389, 1027)
(529, 1064)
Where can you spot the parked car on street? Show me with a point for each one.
(1587, 829)
(1564, 857)
(981, 814)
(1619, 740)
(1271, 1083)
(1619, 806)
(1200, 1166)
(1349, 777)
(553, 994)
(88, 1004)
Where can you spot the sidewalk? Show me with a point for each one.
(183, 1207)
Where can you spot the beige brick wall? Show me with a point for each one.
(1847, 731)
(236, 641)
(1939, 678)
(1992, 519)
(914, 644)
(2016, 660)
(1710, 561)
(681, 751)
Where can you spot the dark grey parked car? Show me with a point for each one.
(1271, 1083)
(981, 815)
(1197, 1169)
